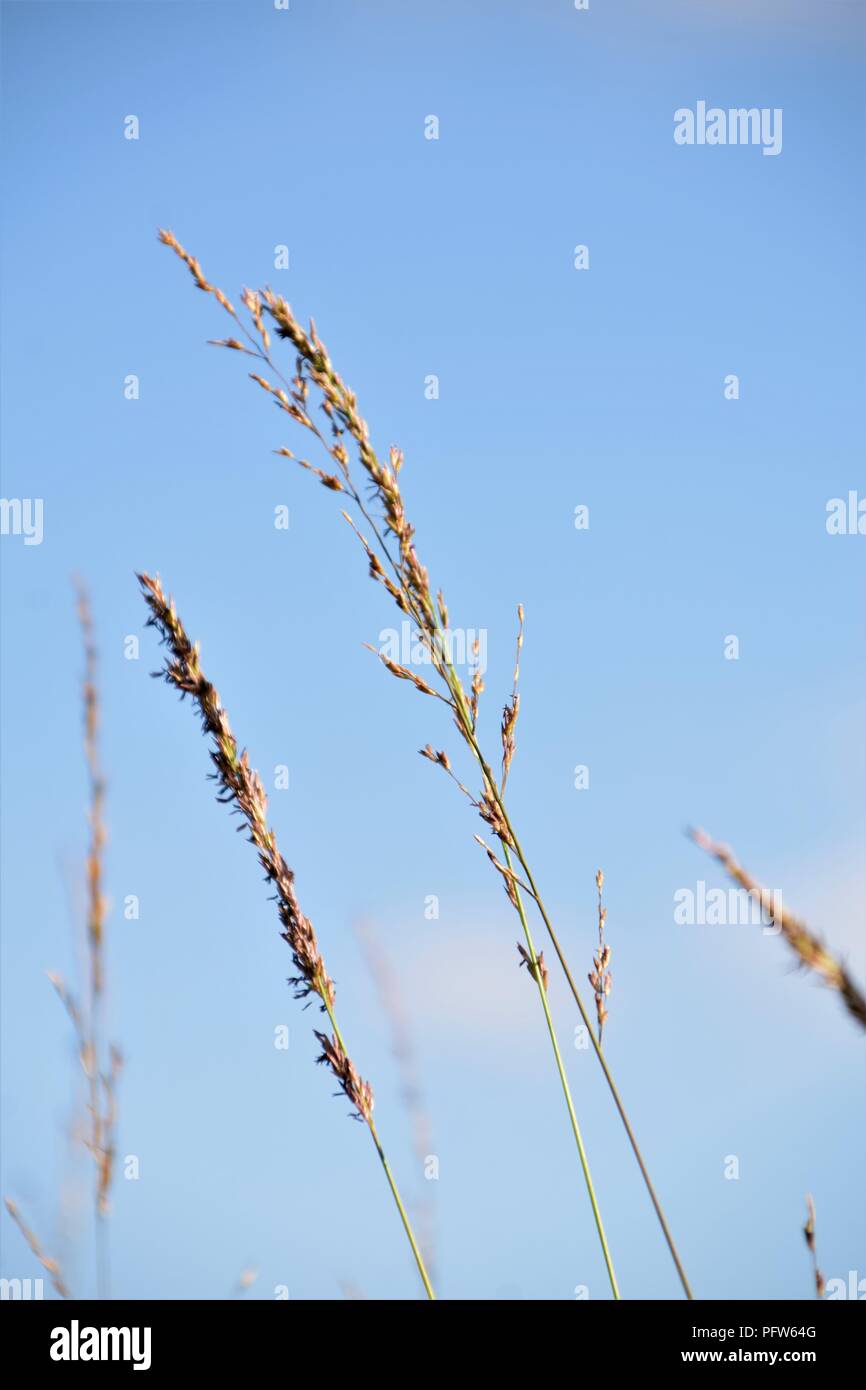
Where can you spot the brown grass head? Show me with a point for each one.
(240, 786)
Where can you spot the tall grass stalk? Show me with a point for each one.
(241, 786)
(393, 562)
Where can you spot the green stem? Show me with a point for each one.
(466, 721)
(407, 1226)
(465, 716)
(402, 1210)
(605, 1069)
(584, 1162)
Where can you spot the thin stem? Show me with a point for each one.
(465, 716)
(500, 801)
(584, 1161)
(402, 1210)
(602, 1062)
(407, 1225)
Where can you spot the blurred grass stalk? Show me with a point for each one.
(101, 1079)
(101, 1066)
(809, 949)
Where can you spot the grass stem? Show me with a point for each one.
(584, 1161)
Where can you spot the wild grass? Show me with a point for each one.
(377, 515)
(241, 787)
(379, 521)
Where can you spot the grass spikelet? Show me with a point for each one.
(600, 977)
(537, 969)
(512, 708)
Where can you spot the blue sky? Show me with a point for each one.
(558, 388)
